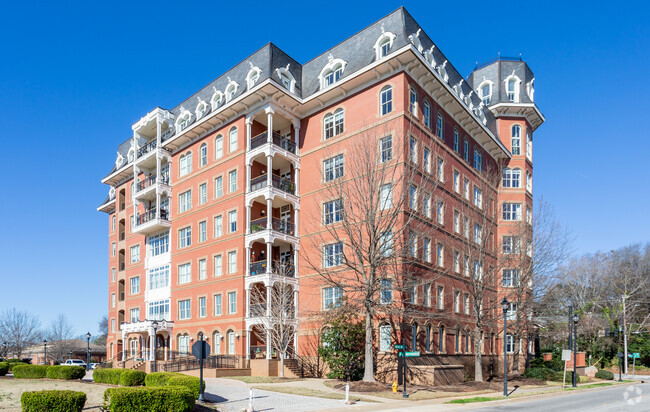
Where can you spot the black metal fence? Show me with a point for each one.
(186, 363)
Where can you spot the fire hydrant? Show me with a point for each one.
(394, 387)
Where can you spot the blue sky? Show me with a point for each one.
(74, 77)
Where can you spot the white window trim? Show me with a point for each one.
(284, 71)
(217, 99)
(517, 86)
(184, 120)
(380, 40)
(253, 76)
(331, 64)
(231, 90)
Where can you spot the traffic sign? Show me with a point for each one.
(634, 355)
(400, 346)
(196, 349)
(412, 354)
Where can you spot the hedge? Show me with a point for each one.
(132, 378)
(603, 374)
(53, 401)
(30, 371)
(174, 379)
(106, 375)
(4, 368)
(545, 374)
(149, 399)
(14, 362)
(65, 372)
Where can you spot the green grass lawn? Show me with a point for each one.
(591, 385)
(263, 379)
(475, 399)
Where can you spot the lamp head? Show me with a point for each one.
(505, 304)
(88, 335)
(576, 318)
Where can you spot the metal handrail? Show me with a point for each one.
(150, 215)
(278, 182)
(151, 180)
(185, 363)
(147, 148)
(277, 139)
(279, 267)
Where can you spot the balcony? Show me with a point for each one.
(145, 189)
(276, 139)
(144, 158)
(278, 225)
(147, 148)
(151, 221)
(277, 182)
(278, 268)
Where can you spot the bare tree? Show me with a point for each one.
(103, 332)
(58, 335)
(20, 329)
(276, 306)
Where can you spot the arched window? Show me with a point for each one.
(184, 120)
(529, 181)
(332, 72)
(456, 141)
(185, 164)
(427, 339)
(231, 90)
(529, 146)
(216, 342)
(201, 109)
(218, 147)
(131, 155)
(413, 101)
(440, 126)
(386, 100)
(286, 78)
(383, 44)
(516, 139)
(441, 339)
(184, 344)
(253, 76)
(384, 338)
(334, 75)
(217, 99)
(414, 336)
(427, 114)
(511, 93)
(204, 154)
(512, 84)
(457, 341)
(486, 93)
(231, 342)
(333, 123)
(233, 140)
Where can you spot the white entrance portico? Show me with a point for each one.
(153, 339)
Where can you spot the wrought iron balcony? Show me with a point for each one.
(151, 180)
(147, 148)
(277, 139)
(279, 268)
(278, 182)
(279, 225)
(150, 215)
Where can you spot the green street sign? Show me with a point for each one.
(400, 346)
(635, 355)
(412, 354)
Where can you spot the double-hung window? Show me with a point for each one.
(386, 148)
(204, 154)
(512, 211)
(232, 302)
(184, 309)
(218, 226)
(233, 140)
(232, 262)
(427, 114)
(332, 297)
(203, 231)
(218, 265)
(466, 150)
(440, 126)
(333, 168)
(478, 160)
(185, 273)
(185, 237)
(218, 147)
(232, 221)
(217, 305)
(386, 292)
(456, 141)
(516, 139)
(441, 297)
(478, 197)
(203, 269)
(440, 255)
(135, 285)
(334, 124)
(413, 102)
(386, 196)
(232, 178)
(427, 250)
(203, 310)
(203, 193)
(332, 211)
(440, 212)
(135, 253)
(413, 197)
(185, 164)
(510, 278)
(386, 100)
(185, 201)
(456, 181)
(333, 255)
(218, 187)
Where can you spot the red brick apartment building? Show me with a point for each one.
(205, 199)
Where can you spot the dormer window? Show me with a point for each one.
(119, 161)
(486, 94)
(286, 78)
(131, 155)
(443, 72)
(217, 99)
(184, 120)
(201, 109)
(383, 44)
(511, 90)
(231, 89)
(332, 72)
(512, 84)
(253, 76)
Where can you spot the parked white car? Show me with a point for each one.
(74, 362)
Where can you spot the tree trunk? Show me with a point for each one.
(478, 359)
(282, 364)
(515, 357)
(369, 367)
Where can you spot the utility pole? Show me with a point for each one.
(624, 337)
(570, 323)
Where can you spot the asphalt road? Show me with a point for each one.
(633, 397)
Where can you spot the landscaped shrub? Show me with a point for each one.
(14, 362)
(106, 375)
(4, 368)
(30, 371)
(53, 401)
(149, 399)
(65, 372)
(132, 378)
(544, 374)
(603, 374)
(556, 363)
(174, 379)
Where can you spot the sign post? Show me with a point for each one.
(402, 353)
(200, 350)
(566, 356)
(634, 357)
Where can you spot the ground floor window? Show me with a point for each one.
(184, 345)
(217, 343)
(510, 343)
(384, 338)
(231, 342)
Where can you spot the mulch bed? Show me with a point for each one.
(494, 384)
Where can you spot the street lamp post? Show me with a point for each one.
(576, 318)
(88, 351)
(155, 327)
(504, 305)
(45, 352)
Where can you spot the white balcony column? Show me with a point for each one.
(269, 128)
(248, 220)
(248, 176)
(248, 344)
(296, 131)
(269, 170)
(166, 349)
(152, 344)
(158, 132)
(248, 302)
(124, 346)
(295, 222)
(171, 342)
(269, 269)
(249, 123)
(268, 344)
(295, 262)
(296, 175)
(269, 212)
(158, 205)
(268, 301)
(247, 269)
(295, 342)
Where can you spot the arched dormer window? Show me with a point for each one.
(253, 76)
(428, 56)
(415, 40)
(485, 91)
(217, 99)
(119, 161)
(443, 71)
(333, 124)
(183, 120)
(530, 90)
(286, 78)
(512, 84)
(231, 90)
(111, 193)
(332, 72)
(201, 109)
(516, 139)
(383, 44)
(130, 156)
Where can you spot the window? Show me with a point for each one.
(456, 305)
(185, 164)
(466, 150)
(204, 154)
(511, 90)
(511, 244)
(456, 221)
(159, 277)
(440, 255)
(113, 300)
(135, 285)
(232, 221)
(386, 196)
(386, 243)
(440, 169)
(529, 215)
(185, 237)
(185, 273)
(218, 265)
(113, 222)
(232, 262)
(184, 309)
(529, 181)
(413, 102)
(112, 330)
(113, 249)
(441, 297)
(426, 161)
(440, 126)
(510, 278)
(332, 75)
(217, 305)
(427, 250)
(233, 140)
(456, 141)
(478, 197)
(386, 292)
(333, 124)
(466, 266)
(332, 297)
(426, 205)
(466, 298)
(232, 302)
(218, 226)
(478, 233)
(231, 89)
(203, 193)
(478, 160)
(510, 343)
(333, 255)
(427, 114)
(135, 253)
(231, 342)
(185, 201)
(486, 94)
(159, 310)
(203, 269)
(529, 146)
(456, 261)
(386, 100)
(478, 272)
(384, 338)
(413, 150)
(203, 310)
(232, 179)
(466, 188)
(332, 211)
(456, 181)
(466, 226)
(511, 178)
(516, 139)
(426, 297)
(218, 187)
(218, 147)
(413, 197)
(413, 245)
(184, 344)
(386, 147)
(440, 213)
(512, 211)
(135, 315)
(333, 168)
